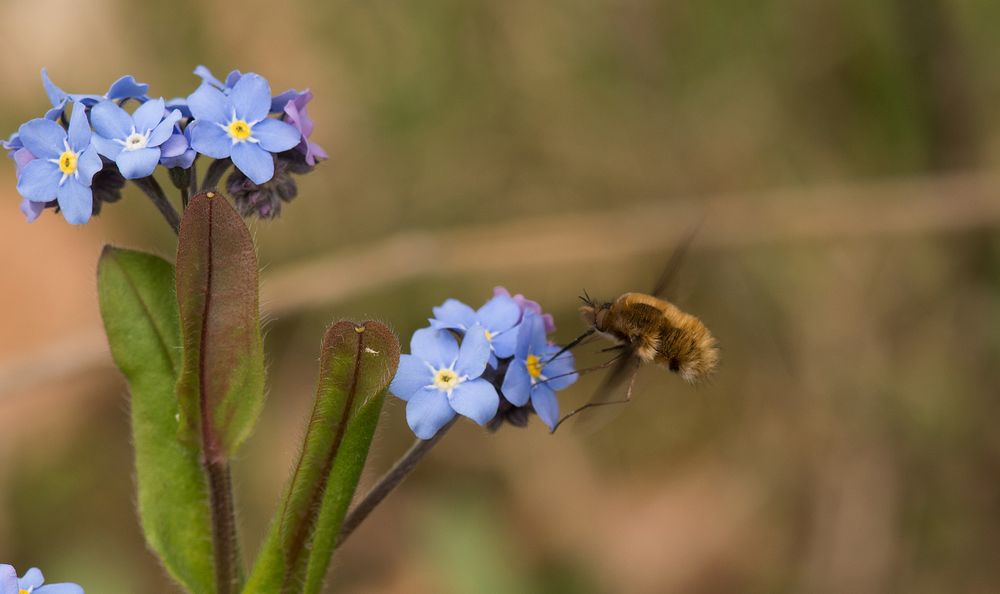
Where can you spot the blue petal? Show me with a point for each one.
(560, 372)
(126, 87)
(86, 99)
(253, 161)
(138, 164)
(106, 147)
(59, 589)
(427, 411)
(207, 76)
(276, 136)
(76, 202)
(505, 343)
(180, 104)
(174, 146)
(56, 112)
(57, 97)
(232, 78)
(31, 579)
(278, 102)
(474, 354)
(536, 338)
(516, 386)
(543, 400)
(111, 121)
(149, 115)
(499, 313)
(251, 97)
(182, 161)
(530, 336)
(164, 129)
(13, 143)
(39, 181)
(209, 139)
(455, 314)
(31, 211)
(476, 399)
(412, 375)
(88, 164)
(8, 580)
(44, 138)
(79, 128)
(208, 103)
(437, 347)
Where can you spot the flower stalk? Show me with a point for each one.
(152, 188)
(389, 481)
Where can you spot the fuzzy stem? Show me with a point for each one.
(152, 188)
(214, 174)
(389, 481)
(224, 540)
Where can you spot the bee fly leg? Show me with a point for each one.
(628, 397)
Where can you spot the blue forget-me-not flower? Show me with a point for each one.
(133, 141)
(533, 375)
(32, 582)
(237, 126)
(439, 378)
(64, 165)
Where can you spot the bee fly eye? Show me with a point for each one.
(675, 364)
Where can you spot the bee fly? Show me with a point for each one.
(646, 328)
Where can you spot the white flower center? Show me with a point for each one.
(136, 141)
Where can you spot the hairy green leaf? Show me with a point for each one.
(221, 390)
(356, 365)
(137, 303)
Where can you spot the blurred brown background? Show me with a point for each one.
(847, 154)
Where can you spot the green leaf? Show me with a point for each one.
(221, 390)
(356, 365)
(137, 303)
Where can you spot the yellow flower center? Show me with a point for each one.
(23, 592)
(239, 129)
(534, 365)
(489, 335)
(67, 162)
(445, 380)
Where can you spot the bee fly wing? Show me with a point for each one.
(669, 275)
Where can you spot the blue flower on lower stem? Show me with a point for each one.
(439, 379)
(498, 318)
(132, 141)
(237, 126)
(31, 583)
(63, 167)
(533, 375)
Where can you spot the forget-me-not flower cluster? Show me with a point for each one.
(76, 156)
(491, 364)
